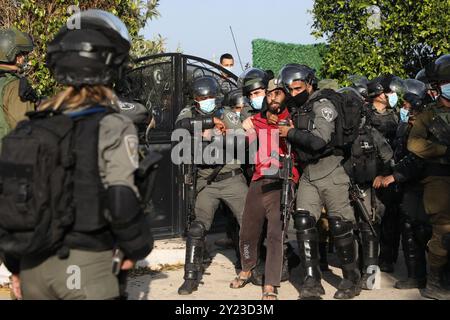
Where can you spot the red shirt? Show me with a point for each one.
(271, 148)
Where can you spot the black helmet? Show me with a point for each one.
(421, 76)
(253, 79)
(359, 83)
(205, 86)
(375, 87)
(391, 83)
(235, 98)
(295, 72)
(92, 54)
(415, 92)
(439, 70)
(352, 92)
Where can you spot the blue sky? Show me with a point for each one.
(201, 27)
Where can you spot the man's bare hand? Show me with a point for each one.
(284, 131)
(388, 180)
(377, 182)
(127, 264)
(271, 118)
(219, 125)
(247, 124)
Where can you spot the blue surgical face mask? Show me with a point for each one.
(238, 113)
(393, 99)
(257, 102)
(404, 115)
(208, 105)
(445, 91)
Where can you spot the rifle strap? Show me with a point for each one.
(213, 175)
(373, 202)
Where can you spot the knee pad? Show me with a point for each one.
(303, 220)
(446, 241)
(340, 227)
(197, 230)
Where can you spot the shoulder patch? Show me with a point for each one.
(185, 110)
(131, 144)
(233, 117)
(327, 113)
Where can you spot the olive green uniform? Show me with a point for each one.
(437, 183)
(13, 107)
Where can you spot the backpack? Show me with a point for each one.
(36, 206)
(349, 107)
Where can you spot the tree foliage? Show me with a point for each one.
(373, 37)
(43, 18)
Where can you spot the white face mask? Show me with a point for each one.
(229, 69)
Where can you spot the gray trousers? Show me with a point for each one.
(84, 275)
(231, 191)
(330, 192)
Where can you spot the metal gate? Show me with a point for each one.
(162, 84)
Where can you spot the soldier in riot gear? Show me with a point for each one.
(16, 95)
(359, 83)
(382, 98)
(103, 160)
(214, 182)
(234, 103)
(430, 140)
(416, 230)
(382, 101)
(253, 82)
(324, 182)
(369, 160)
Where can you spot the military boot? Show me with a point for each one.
(434, 288)
(347, 253)
(195, 250)
(414, 253)
(308, 245)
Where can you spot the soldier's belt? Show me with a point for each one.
(227, 175)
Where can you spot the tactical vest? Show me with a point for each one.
(439, 130)
(303, 119)
(385, 124)
(362, 164)
(401, 140)
(5, 79)
(88, 190)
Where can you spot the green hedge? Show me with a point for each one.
(273, 55)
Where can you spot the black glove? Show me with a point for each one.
(26, 92)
